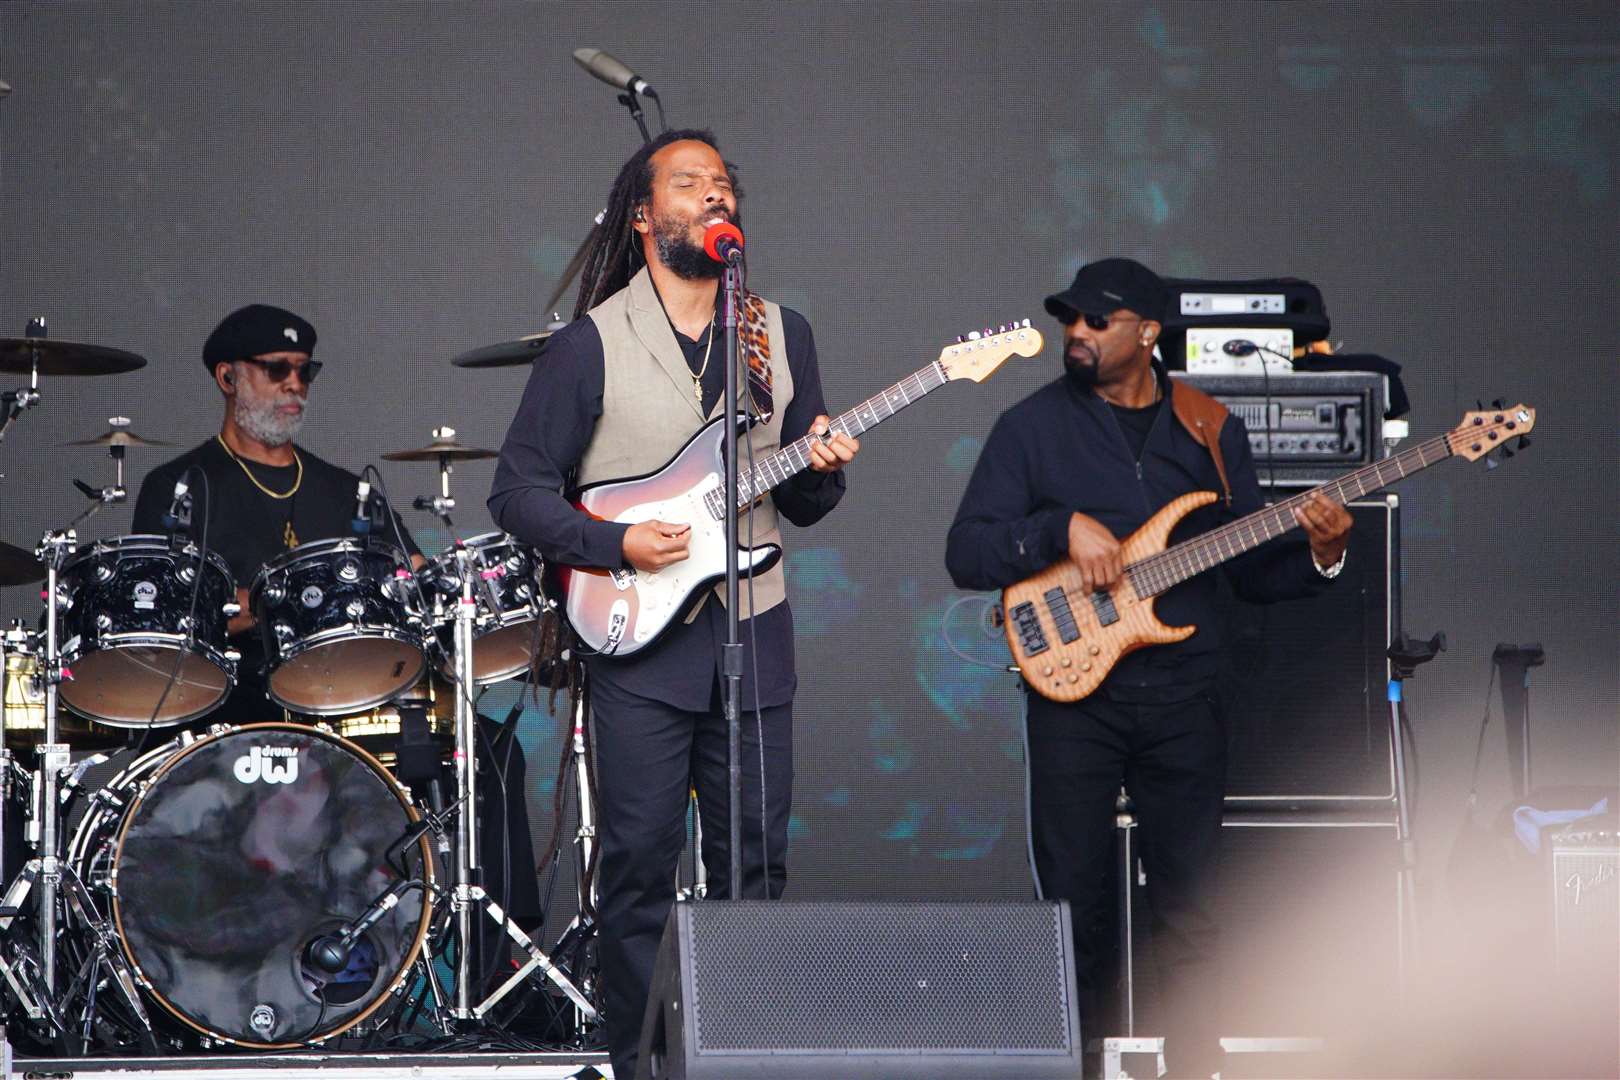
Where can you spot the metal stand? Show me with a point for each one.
(1514, 662)
(731, 651)
(1404, 657)
(467, 891)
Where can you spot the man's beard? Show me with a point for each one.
(684, 258)
(260, 419)
(1081, 365)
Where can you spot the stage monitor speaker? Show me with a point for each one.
(1304, 691)
(917, 991)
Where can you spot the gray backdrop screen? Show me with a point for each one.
(413, 176)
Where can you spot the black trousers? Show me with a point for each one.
(648, 757)
(1171, 757)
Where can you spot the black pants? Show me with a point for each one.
(648, 756)
(1172, 759)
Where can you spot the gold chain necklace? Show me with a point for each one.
(697, 380)
(288, 536)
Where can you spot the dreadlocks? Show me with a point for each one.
(615, 254)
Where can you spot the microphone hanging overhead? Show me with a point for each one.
(613, 72)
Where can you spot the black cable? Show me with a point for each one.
(1484, 723)
(191, 612)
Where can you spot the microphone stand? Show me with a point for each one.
(731, 651)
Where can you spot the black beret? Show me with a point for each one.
(255, 330)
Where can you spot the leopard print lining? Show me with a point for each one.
(754, 340)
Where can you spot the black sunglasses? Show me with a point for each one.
(1100, 323)
(278, 370)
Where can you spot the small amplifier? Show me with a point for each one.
(1221, 350)
(1586, 900)
(1305, 428)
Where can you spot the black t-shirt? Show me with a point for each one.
(247, 527)
(1136, 424)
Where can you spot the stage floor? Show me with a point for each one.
(458, 1066)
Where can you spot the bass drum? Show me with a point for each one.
(223, 858)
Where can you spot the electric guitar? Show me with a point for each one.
(621, 611)
(1065, 641)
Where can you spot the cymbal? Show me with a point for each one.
(17, 566)
(54, 357)
(447, 448)
(117, 436)
(508, 353)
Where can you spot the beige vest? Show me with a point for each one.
(649, 410)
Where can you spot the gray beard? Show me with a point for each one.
(260, 420)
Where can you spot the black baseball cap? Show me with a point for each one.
(255, 330)
(1105, 286)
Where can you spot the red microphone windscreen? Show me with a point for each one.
(713, 234)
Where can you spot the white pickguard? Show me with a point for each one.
(662, 591)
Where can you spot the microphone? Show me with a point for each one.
(724, 243)
(179, 512)
(1239, 347)
(329, 953)
(361, 524)
(612, 72)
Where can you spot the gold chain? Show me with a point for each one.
(697, 380)
(289, 493)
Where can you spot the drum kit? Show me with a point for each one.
(262, 885)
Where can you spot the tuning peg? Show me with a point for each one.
(1507, 452)
(1524, 442)
(1491, 463)
(1025, 324)
(987, 331)
(959, 339)
(1479, 406)
(973, 335)
(1498, 403)
(1001, 328)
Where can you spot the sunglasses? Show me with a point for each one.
(278, 370)
(1100, 323)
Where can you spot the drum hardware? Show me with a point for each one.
(462, 566)
(513, 353)
(34, 354)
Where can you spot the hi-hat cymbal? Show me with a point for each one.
(118, 436)
(509, 353)
(446, 448)
(54, 357)
(18, 567)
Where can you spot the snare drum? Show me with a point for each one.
(140, 653)
(341, 626)
(507, 592)
(222, 858)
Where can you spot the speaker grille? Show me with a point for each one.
(885, 978)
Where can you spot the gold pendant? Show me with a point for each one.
(697, 390)
(289, 537)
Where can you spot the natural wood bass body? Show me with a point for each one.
(1065, 641)
(1080, 654)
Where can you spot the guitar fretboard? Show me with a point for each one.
(794, 458)
(1159, 572)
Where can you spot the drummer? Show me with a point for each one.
(264, 494)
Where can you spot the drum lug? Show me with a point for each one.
(230, 609)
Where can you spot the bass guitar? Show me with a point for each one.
(1065, 640)
(621, 611)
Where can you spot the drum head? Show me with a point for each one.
(245, 847)
(342, 676)
(123, 686)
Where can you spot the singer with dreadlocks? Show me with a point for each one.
(616, 394)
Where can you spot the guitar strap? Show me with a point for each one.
(1203, 417)
(754, 338)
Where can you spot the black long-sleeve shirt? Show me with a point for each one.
(549, 435)
(1063, 450)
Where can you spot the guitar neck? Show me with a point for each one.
(794, 458)
(1170, 567)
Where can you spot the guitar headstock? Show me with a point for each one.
(977, 355)
(1485, 430)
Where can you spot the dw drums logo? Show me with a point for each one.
(272, 764)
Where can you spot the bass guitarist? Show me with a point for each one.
(1065, 474)
(616, 394)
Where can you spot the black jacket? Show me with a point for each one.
(1062, 450)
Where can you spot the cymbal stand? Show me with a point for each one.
(467, 884)
(13, 403)
(53, 551)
